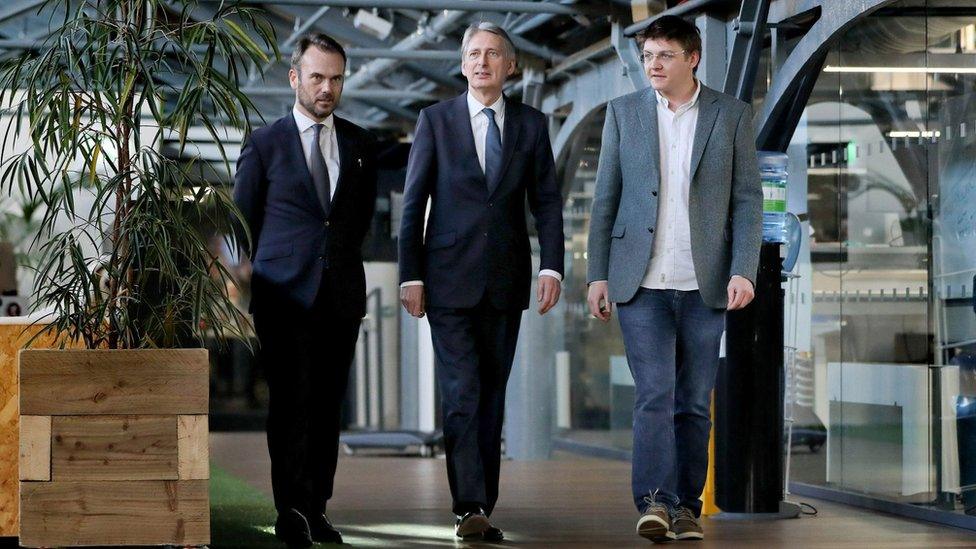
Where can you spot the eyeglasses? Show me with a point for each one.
(664, 57)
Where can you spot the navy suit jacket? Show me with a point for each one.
(292, 239)
(476, 242)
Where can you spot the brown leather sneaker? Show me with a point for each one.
(686, 525)
(655, 524)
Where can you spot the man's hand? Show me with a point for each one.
(548, 293)
(413, 300)
(598, 298)
(741, 292)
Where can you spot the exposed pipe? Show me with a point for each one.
(430, 5)
(688, 7)
(303, 28)
(444, 22)
(352, 53)
(363, 93)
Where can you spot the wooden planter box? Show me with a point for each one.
(114, 447)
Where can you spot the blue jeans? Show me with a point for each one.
(672, 341)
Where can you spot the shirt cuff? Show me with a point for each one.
(552, 273)
(412, 283)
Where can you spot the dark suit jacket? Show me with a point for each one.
(477, 243)
(292, 240)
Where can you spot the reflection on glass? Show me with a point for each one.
(890, 171)
(601, 388)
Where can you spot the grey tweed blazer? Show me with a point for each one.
(725, 197)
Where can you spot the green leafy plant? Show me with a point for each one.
(122, 260)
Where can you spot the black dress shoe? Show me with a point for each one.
(471, 525)
(493, 534)
(292, 528)
(322, 530)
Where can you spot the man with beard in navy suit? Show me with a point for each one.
(306, 186)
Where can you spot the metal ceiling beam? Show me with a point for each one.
(416, 55)
(750, 33)
(364, 93)
(443, 23)
(795, 77)
(348, 34)
(688, 8)
(432, 5)
(352, 53)
(527, 46)
(303, 28)
(18, 8)
(392, 108)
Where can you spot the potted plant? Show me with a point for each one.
(114, 422)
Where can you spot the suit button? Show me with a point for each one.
(327, 223)
(486, 234)
(650, 229)
(490, 204)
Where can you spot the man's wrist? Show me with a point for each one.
(552, 273)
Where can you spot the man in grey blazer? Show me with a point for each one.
(674, 240)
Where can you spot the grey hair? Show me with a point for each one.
(485, 26)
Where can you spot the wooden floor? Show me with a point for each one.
(566, 502)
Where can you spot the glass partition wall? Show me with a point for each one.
(887, 374)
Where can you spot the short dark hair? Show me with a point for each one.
(672, 28)
(320, 40)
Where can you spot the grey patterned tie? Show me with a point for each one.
(493, 151)
(320, 172)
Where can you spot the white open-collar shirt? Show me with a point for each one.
(671, 266)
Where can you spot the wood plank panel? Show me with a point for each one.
(115, 513)
(114, 448)
(154, 381)
(35, 448)
(194, 448)
(12, 338)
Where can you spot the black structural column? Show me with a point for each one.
(749, 399)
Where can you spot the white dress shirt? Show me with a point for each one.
(671, 266)
(479, 130)
(479, 123)
(327, 143)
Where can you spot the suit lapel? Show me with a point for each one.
(347, 155)
(647, 116)
(707, 113)
(510, 136)
(297, 154)
(460, 124)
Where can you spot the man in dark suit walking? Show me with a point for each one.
(306, 186)
(476, 158)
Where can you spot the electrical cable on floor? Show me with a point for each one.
(811, 513)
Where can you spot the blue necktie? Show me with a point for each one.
(493, 151)
(320, 172)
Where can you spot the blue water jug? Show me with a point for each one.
(772, 170)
